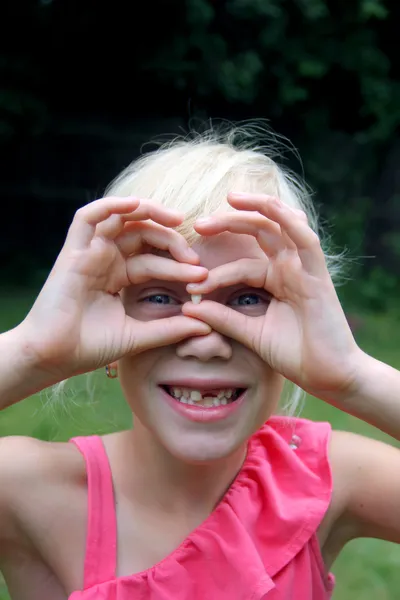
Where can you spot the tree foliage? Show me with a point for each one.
(325, 73)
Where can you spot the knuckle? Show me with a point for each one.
(302, 214)
(314, 240)
(81, 213)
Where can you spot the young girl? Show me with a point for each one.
(210, 496)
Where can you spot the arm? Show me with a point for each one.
(374, 396)
(366, 479)
(20, 372)
(367, 472)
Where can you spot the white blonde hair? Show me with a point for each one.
(194, 174)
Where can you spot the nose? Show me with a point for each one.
(206, 347)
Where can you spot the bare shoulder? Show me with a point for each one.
(366, 490)
(22, 459)
(31, 473)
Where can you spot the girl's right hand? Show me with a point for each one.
(78, 322)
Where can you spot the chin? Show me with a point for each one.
(204, 447)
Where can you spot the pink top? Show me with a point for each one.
(259, 541)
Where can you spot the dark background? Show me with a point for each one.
(84, 84)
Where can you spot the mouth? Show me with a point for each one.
(204, 398)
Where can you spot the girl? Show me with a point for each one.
(209, 496)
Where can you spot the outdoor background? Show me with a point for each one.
(83, 86)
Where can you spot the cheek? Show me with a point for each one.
(270, 390)
(135, 374)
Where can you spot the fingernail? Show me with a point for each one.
(191, 286)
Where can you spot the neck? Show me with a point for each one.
(156, 479)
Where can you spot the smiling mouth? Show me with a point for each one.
(206, 398)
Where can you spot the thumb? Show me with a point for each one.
(162, 332)
(226, 321)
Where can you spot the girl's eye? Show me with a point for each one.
(247, 300)
(163, 299)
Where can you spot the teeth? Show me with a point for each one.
(196, 298)
(190, 396)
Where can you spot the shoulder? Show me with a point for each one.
(31, 473)
(23, 459)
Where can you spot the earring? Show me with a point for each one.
(112, 373)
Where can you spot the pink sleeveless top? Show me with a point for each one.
(260, 541)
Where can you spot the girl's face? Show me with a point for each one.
(238, 390)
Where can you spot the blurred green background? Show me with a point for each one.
(85, 85)
(366, 570)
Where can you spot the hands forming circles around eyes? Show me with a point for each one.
(110, 246)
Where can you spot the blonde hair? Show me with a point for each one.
(195, 172)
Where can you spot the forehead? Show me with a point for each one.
(224, 248)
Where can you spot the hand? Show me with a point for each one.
(78, 322)
(304, 334)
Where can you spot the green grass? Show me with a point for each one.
(366, 570)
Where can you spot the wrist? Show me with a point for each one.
(363, 369)
(374, 395)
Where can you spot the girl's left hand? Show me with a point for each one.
(304, 334)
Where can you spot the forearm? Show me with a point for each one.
(376, 396)
(20, 373)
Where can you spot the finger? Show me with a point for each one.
(149, 209)
(86, 219)
(266, 232)
(249, 271)
(293, 222)
(226, 321)
(163, 332)
(136, 235)
(113, 226)
(252, 202)
(145, 267)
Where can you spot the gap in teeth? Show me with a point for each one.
(190, 396)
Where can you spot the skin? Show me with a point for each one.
(168, 473)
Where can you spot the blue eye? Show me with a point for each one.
(163, 299)
(247, 300)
